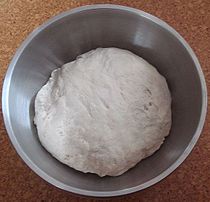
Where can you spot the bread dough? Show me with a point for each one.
(103, 112)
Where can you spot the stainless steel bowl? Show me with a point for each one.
(74, 32)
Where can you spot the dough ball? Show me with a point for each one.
(103, 112)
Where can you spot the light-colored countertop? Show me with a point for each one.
(190, 182)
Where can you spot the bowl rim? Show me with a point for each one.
(50, 179)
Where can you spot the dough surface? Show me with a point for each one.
(103, 112)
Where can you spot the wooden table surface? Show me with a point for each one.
(190, 182)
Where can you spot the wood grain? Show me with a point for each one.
(190, 182)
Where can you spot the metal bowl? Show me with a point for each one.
(74, 32)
